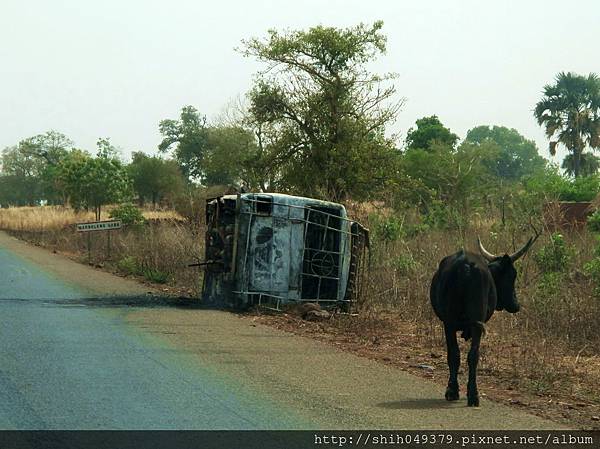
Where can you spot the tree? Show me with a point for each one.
(50, 148)
(93, 182)
(589, 164)
(570, 112)
(232, 157)
(22, 173)
(516, 155)
(430, 131)
(449, 176)
(30, 168)
(318, 114)
(154, 178)
(189, 137)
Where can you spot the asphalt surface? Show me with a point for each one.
(82, 349)
(68, 365)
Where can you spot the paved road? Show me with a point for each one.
(64, 365)
(74, 358)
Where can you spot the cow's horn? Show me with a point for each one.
(484, 252)
(515, 256)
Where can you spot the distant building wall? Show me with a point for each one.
(567, 214)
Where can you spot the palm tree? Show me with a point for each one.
(589, 164)
(570, 111)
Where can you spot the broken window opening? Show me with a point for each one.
(263, 205)
(320, 273)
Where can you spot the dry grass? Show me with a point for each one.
(158, 251)
(44, 218)
(47, 218)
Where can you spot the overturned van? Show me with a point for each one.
(271, 249)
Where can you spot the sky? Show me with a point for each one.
(115, 69)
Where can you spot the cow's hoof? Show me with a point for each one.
(452, 395)
(473, 401)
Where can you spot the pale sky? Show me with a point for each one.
(114, 69)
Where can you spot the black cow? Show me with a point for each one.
(465, 291)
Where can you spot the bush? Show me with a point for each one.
(582, 188)
(592, 268)
(551, 183)
(128, 214)
(593, 221)
(129, 265)
(156, 276)
(405, 263)
(549, 285)
(554, 256)
(443, 216)
(386, 229)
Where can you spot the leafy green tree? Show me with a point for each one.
(22, 173)
(430, 131)
(188, 137)
(448, 176)
(52, 147)
(93, 182)
(232, 158)
(319, 114)
(30, 168)
(106, 149)
(516, 155)
(550, 184)
(589, 164)
(570, 112)
(154, 178)
(445, 183)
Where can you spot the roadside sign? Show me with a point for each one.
(99, 226)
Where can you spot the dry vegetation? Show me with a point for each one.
(157, 251)
(52, 218)
(546, 357)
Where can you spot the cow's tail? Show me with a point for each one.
(466, 333)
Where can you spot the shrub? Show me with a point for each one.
(554, 256)
(440, 215)
(386, 229)
(156, 276)
(548, 286)
(416, 229)
(592, 268)
(405, 263)
(593, 221)
(128, 214)
(129, 265)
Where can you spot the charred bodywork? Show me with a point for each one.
(272, 249)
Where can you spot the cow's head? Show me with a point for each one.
(504, 274)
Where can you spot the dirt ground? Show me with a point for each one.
(402, 345)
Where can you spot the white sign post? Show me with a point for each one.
(98, 226)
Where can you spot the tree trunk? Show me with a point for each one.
(576, 161)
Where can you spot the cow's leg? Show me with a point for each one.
(473, 359)
(453, 363)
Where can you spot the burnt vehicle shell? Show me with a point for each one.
(273, 249)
